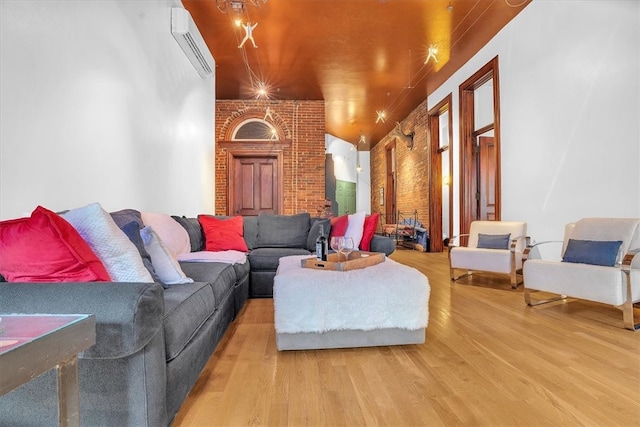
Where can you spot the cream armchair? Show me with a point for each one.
(600, 264)
(493, 246)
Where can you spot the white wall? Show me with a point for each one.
(99, 103)
(570, 129)
(345, 160)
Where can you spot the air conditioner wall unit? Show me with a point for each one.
(188, 36)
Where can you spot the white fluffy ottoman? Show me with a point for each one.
(385, 304)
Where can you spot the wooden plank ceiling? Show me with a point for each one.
(359, 56)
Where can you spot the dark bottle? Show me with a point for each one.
(321, 246)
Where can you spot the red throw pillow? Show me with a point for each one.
(223, 234)
(338, 226)
(46, 248)
(370, 225)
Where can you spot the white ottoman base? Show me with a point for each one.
(348, 338)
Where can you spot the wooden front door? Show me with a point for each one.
(487, 159)
(254, 186)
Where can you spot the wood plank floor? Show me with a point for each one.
(488, 360)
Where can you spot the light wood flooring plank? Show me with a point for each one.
(488, 360)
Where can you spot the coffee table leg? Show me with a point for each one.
(68, 398)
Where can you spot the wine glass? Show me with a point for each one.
(346, 246)
(335, 245)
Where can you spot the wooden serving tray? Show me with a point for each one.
(357, 260)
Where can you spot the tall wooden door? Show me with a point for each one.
(487, 159)
(254, 185)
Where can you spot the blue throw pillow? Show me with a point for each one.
(133, 233)
(593, 252)
(493, 241)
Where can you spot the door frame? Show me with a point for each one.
(391, 176)
(468, 170)
(435, 180)
(238, 149)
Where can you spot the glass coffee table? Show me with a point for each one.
(32, 344)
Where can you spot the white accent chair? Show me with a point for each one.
(617, 285)
(507, 260)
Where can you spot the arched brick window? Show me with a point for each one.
(255, 130)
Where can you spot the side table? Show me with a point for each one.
(32, 344)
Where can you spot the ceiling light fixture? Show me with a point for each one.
(262, 91)
(237, 6)
(382, 116)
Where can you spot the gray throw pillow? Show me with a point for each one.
(250, 232)
(132, 231)
(125, 216)
(493, 241)
(194, 229)
(283, 231)
(314, 232)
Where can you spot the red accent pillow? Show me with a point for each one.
(370, 225)
(46, 248)
(223, 234)
(338, 226)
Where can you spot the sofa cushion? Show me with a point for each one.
(119, 256)
(194, 230)
(251, 231)
(220, 276)
(318, 225)
(62, 254)
(187, 307)
(283, 231)
(223, 234)
(267, 259)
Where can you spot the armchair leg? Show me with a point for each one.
(530, 303)
(453, 275)
(514, 278)
(627, 307)
(628, 317)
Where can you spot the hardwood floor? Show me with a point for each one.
(488, 360)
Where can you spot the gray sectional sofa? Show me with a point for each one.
(152, 342)
(271, 237)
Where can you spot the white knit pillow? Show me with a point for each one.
(355, 228)
(164, 262)
(119, 256)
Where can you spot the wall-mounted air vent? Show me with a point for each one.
(186, 33)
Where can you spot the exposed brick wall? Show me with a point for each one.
(412, 169)
(301, 123)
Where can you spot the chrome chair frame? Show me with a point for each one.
(628, 317)
(513, 274)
